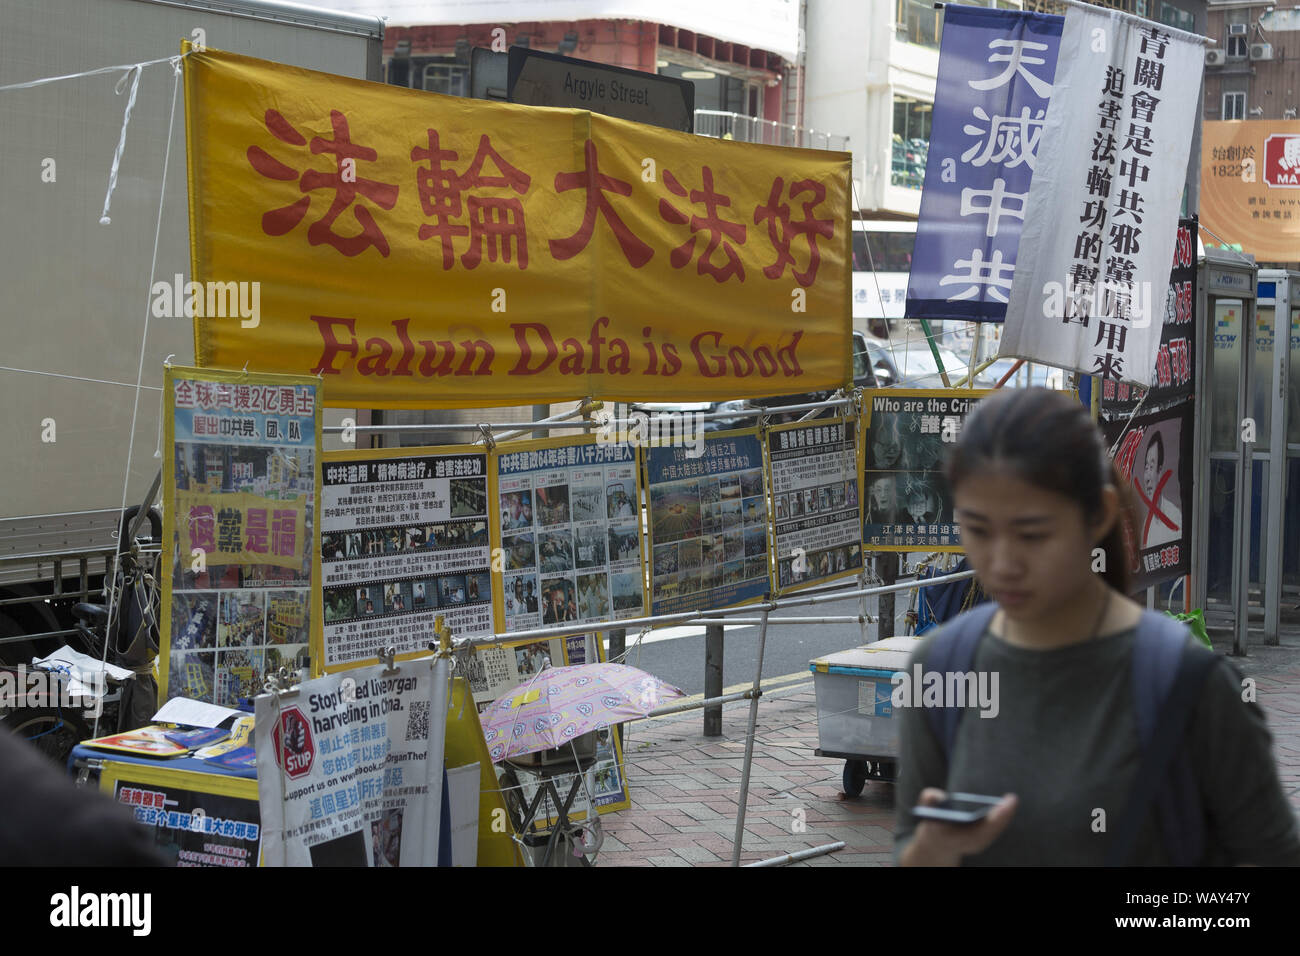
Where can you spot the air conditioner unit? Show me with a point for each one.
(1261, 51)
(1215, 57)
(1236, 29)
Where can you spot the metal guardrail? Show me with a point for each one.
(750, 129)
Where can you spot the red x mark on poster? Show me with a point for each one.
(1152, 510)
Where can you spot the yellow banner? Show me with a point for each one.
(241, 528)
(421, 251)
(1250, 186)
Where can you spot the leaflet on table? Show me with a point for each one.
(144, 742)
(567, 517)
(240, 521)
(814, 481)
(708, 524)
(343, 775)
(241, 736)
(404, 539)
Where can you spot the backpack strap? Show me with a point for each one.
(952, 650)
(1167, 681)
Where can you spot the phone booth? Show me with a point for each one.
(1277, 452)
(1222, 543)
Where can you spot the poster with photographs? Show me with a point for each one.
(241, 497)
(906, 502)
(495, 671)
(815, 513)
(708, 524)
(1154, 454)
(404, 538)
(569, 527)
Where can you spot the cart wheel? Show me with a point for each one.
(854, 777)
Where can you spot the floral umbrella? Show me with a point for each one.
(562, 703)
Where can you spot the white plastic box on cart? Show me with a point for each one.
(855, 710)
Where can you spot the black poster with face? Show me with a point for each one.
(1153, 453)
(1175, 362)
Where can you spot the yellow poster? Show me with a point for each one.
(420, 251)
(1250, 186)
(816, 509)
(241, 505)
(565, 511)
(404, 539)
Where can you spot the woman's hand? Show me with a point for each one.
(944, 844)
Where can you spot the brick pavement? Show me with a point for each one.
(685, 787)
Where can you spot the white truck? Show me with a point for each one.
(75, 291)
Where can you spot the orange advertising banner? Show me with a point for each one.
(422, 251)
(1250, 186)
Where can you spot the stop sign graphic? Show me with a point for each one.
(295, 751)
(1282, 160)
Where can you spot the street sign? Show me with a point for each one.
(547, 79)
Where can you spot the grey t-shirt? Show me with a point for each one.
(1065, 741)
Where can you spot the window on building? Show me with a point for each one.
(446, 75)
(1170, 15)
(1234, 106)
(1237, 48)
(917, 21)
(911, 141)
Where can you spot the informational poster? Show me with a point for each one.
(1154, 453)
(906, 433)
(567, 514)
(197, 819)
(1176, 358)
(404, 538)
(815, 502)
(343, 772)
(241, 492)
(708, 523)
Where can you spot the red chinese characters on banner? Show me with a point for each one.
(711, 222)
(343, 181)
(596, 184)
(782, 230)
(493, 220)
(468, 220)
(1127, 452)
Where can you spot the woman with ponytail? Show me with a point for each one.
(1068, 729)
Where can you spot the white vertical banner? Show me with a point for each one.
(1101, 220)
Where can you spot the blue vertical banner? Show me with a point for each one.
(995, 80)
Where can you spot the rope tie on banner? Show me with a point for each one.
(133, 76)
(485, 430)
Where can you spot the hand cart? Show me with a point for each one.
(855, 711)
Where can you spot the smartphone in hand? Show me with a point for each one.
(961, 808)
